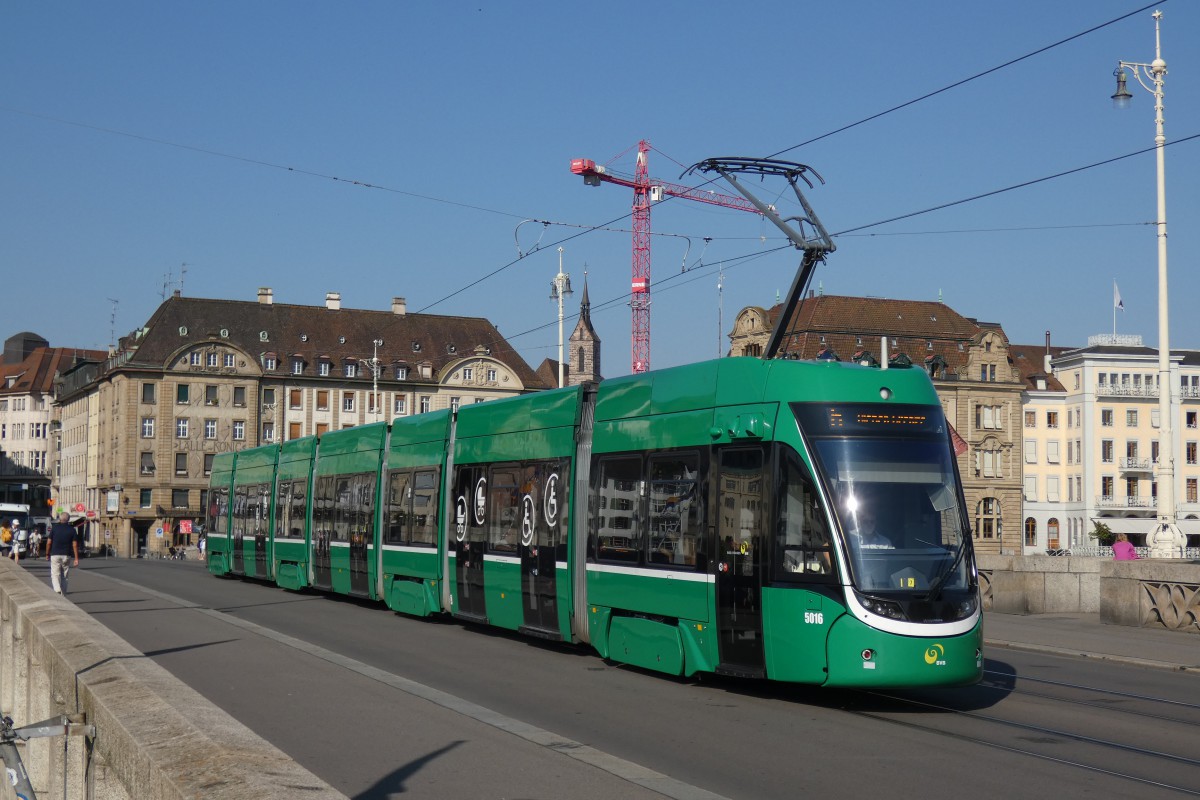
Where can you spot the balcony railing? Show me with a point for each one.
(1109, 501)
(1135, 464)
(1121, 390)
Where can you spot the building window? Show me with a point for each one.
(1030, 532)
(269, 363)
(181, 394)
(1106, 488)
(1106, 451)
(1131, 450)
(1191, 419)
(179, 498)
(1131, 488)
(323, 369)
(401, 373)
(297, 366)
(322, 400)
(194, 358)
(181, 428)
(1031, 451)
(268, 397)
(1131, 418)
(148, 392)
(987, 518)
(294, 398)
(147, 427)
(211, 359)
(1106, 417)
(268, 432)
(229, 360)
(1191, 490)
(147, 464)
(208, 462)
(401, 405)
(239, 396)
(468, 374)
(1190, 452)
(294, 430)
(351, 370)
(322, 428)
(144, 497)
(1030, 419)
(491, 375)
(1051, 419)
(347, 401)
(372, 403)
(239, 431)
(1031, 488)
(210, 429)
(210, 395)
(181, 464)
(425, 400)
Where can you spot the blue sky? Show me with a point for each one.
(142, 136)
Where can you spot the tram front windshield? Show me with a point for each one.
(892, 485)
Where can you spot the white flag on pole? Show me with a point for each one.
(1118, 303)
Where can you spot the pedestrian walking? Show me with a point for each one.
(62, 545)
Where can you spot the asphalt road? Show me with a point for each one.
(383, 706)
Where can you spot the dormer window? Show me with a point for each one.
(323, 369)
(351, 369)
(297, 366)
(401, 373)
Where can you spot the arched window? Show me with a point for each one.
(579, 360)
(1052, 533)
(1030, 532)
(987, 518)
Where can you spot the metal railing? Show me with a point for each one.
(1111, 501)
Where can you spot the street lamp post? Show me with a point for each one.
(560, 288)
(378, 343)
(1166, 541)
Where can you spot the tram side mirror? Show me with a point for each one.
(942, 499)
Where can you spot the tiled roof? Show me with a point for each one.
(1029, 361)
(920, 328)
(36, 373)
(313, 332)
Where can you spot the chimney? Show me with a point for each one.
(333, 300)
(399, 306)
(265, 295)
(1046, 358)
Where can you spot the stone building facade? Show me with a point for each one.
(206, 376)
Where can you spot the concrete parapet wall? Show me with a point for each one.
(156, 738)
(1151, 593)
(1042, 584)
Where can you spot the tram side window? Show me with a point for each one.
(323, 508)
(802, 546)
(218, 509)
(504, 508)
(398, 501)
(676, 510)
(240, 510)
(616, 514)
(423, 515)
(282, 507)
(297, 509)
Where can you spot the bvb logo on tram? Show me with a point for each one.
(934, 656)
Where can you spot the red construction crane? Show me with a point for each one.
(645, 192)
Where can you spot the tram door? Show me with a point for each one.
(543, 542)
(741, 557)
(241, 500)
(470, 538)
(361, 515)
(322, 531)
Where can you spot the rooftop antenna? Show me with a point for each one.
(112, 324)
(182, 275)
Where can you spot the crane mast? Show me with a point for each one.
(646, 192)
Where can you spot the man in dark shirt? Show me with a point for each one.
(61, 544)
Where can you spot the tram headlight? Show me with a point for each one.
(965, 608)
(884, 608)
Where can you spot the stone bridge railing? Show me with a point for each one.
(155, 738)
(1157, 593)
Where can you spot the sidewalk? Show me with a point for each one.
(1085, 635)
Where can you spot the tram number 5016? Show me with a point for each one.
(814, 617)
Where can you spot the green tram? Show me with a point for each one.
(795, 521)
